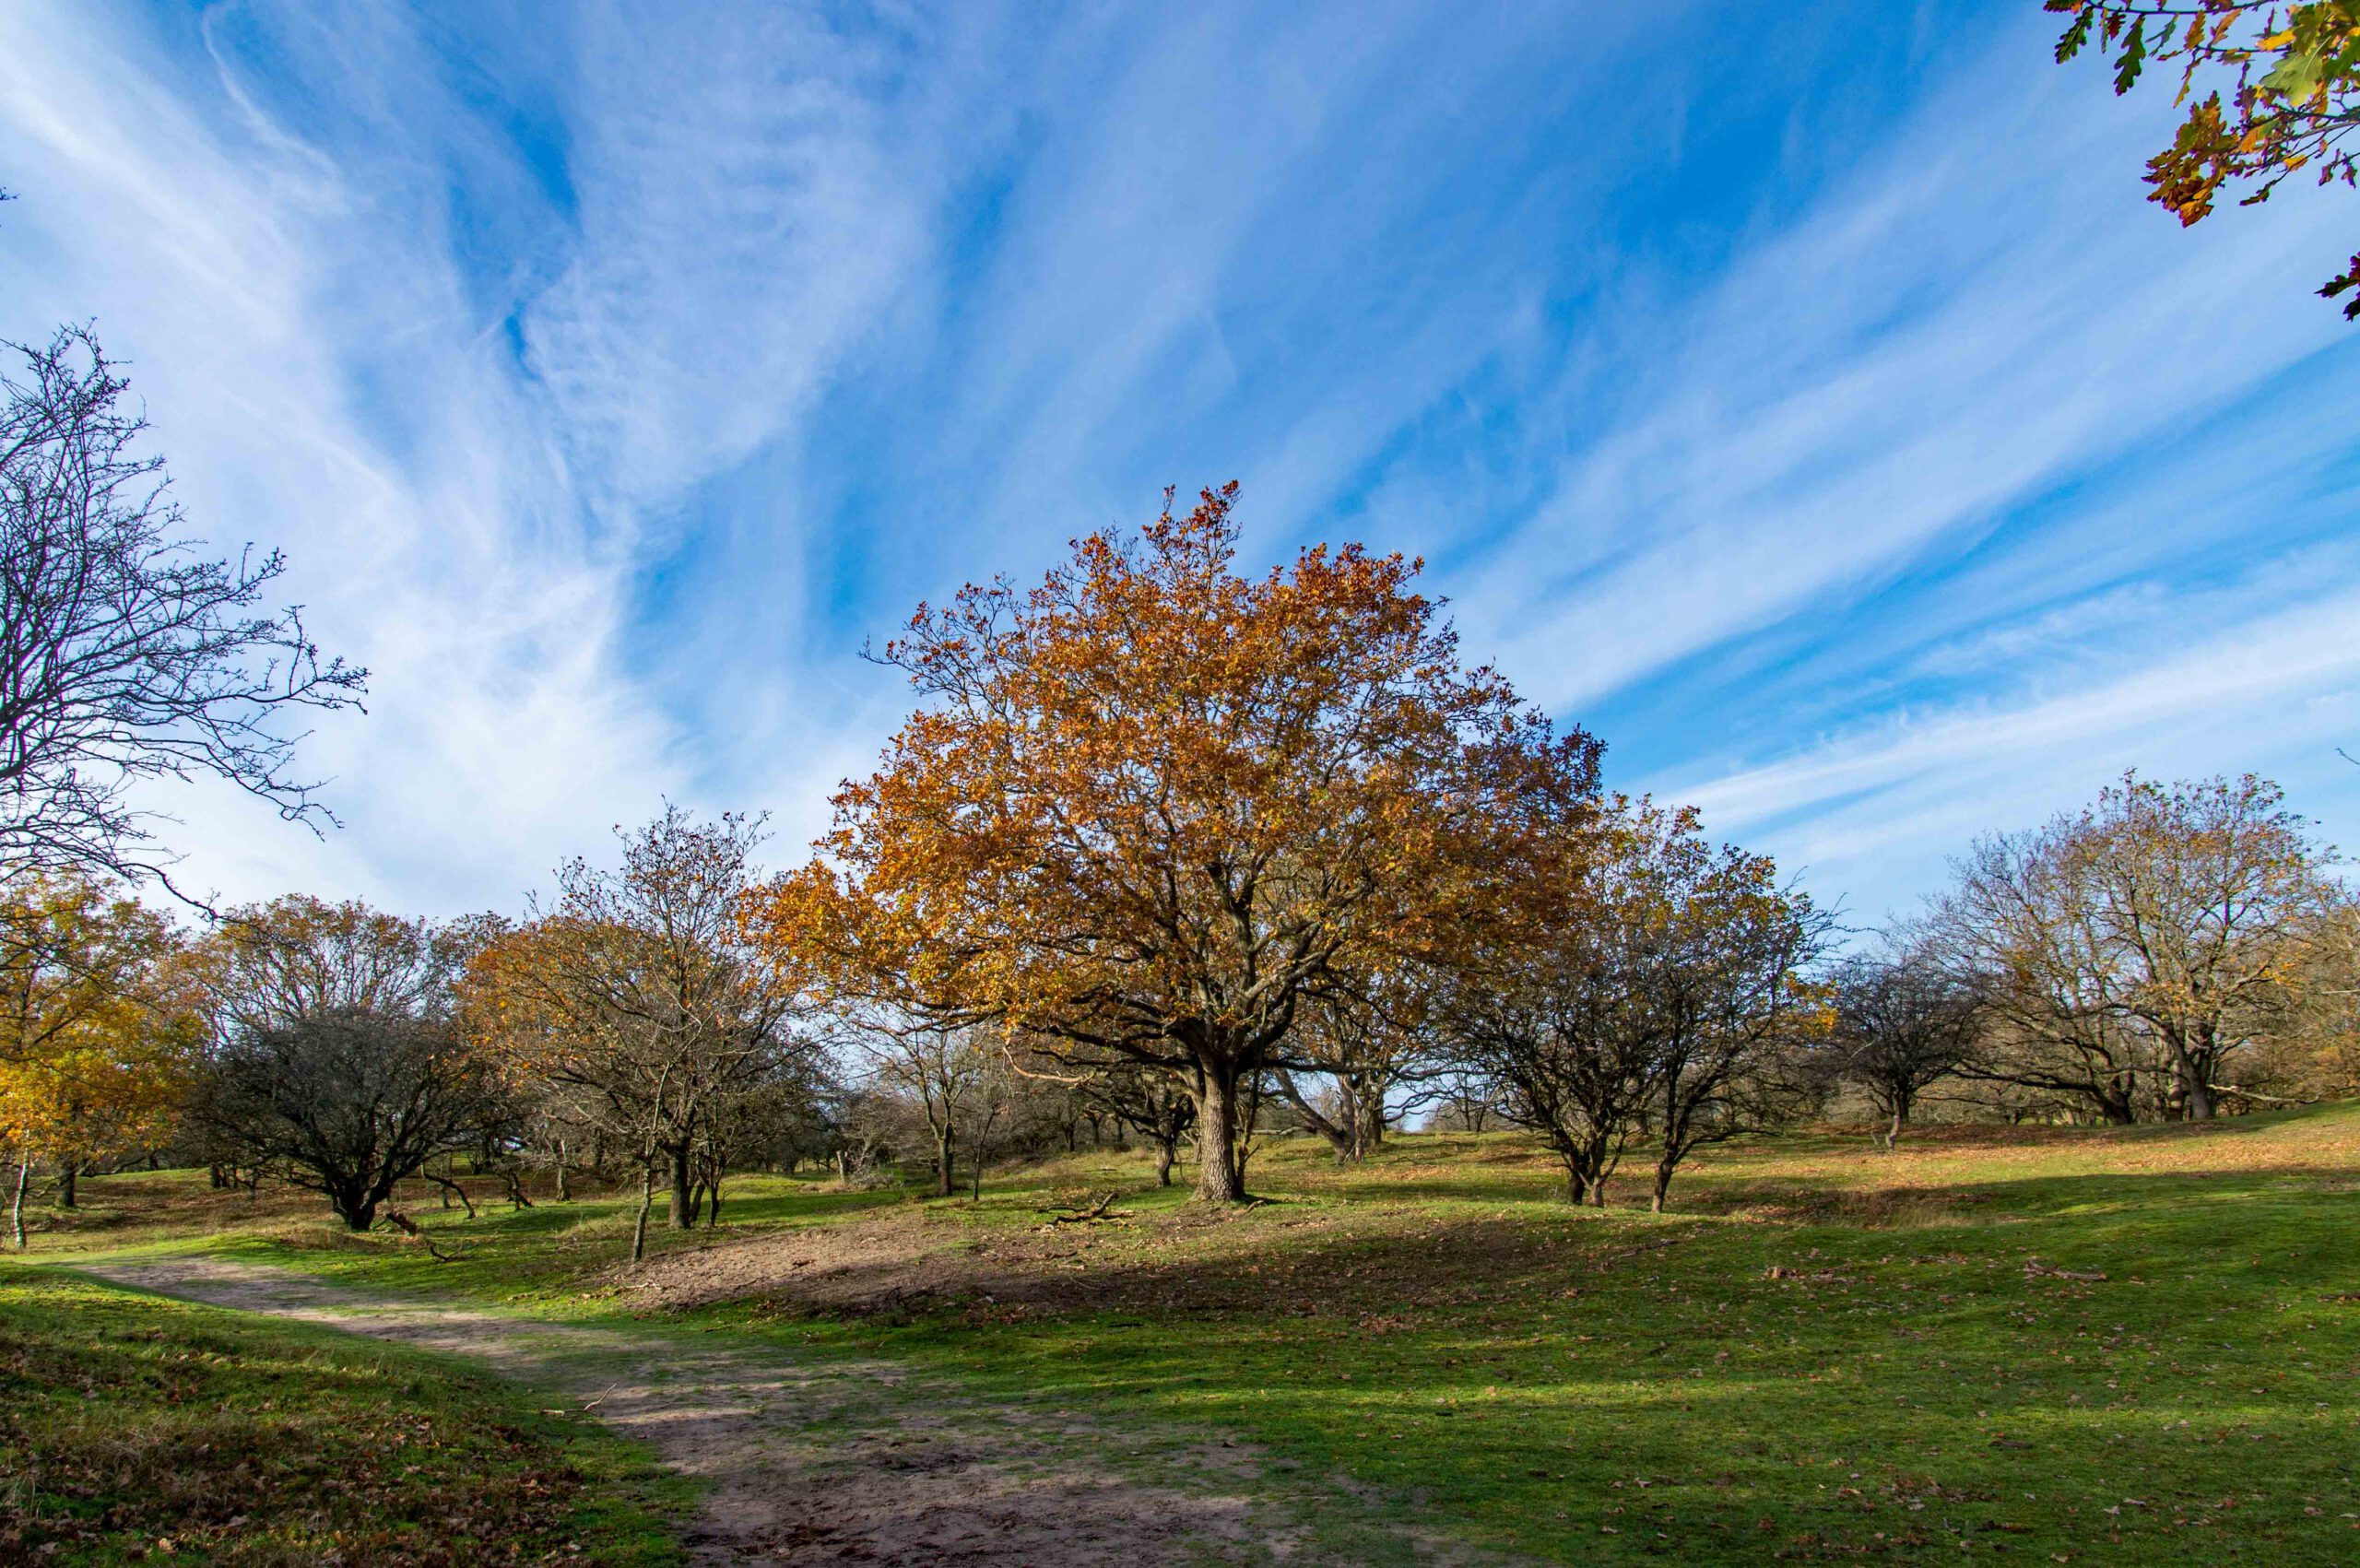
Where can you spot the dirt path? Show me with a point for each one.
(833, 1462)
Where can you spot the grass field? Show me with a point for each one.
(137, 1429)
(1823, 1353)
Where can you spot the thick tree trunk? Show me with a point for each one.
(1365, 1098)
(16, 1204)
(68, 1177)
(1165, 1150)
(681, 1216)
(1214, 1083)
(357, 1210)
(564, 1189)
(646, 1206)
(944, 1184)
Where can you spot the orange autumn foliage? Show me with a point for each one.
(1152, 807)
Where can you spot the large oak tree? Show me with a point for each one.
(1151, 807)
(2143, 950)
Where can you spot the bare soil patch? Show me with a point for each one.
(1291, 1261)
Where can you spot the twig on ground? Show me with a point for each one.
(1082, 1217)
(2035, 1269)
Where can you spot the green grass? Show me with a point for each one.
(138, 1429)
(1619, 1387)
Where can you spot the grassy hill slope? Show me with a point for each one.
(2049, 1344)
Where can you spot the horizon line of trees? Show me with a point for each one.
(1178, 854)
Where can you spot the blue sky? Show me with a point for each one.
(1801, 397)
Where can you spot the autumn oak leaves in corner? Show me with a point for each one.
(1157, 814)
(2292, 77)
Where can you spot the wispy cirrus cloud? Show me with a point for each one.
(1871, 815)
(1943, 335)
(1811, 405)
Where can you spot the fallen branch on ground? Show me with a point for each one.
(1082, 1217)
(410, 1228)
(2035, 1269)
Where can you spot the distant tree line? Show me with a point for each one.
(1175, 857)
(2171, 953)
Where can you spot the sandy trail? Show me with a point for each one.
(829, 1461)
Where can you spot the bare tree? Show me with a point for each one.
(1904, 1022)
(1731, 993)
(947, 1073)
(335, 1059)
(1462, 1100)
(1553, 1010)
(350, 1103)
(1152, 1105)
(2134, 953)
(1666, 989)
(638, 999)
(1371, 1038)
(2053, 1015)
(1010, 1114)
(125, 654)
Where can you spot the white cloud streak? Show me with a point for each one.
(806, 315)
(1948, 332)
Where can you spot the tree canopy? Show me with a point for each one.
(1153, 806)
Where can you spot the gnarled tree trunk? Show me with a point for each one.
(1214, 1084)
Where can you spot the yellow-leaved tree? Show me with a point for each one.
(99, 1033)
